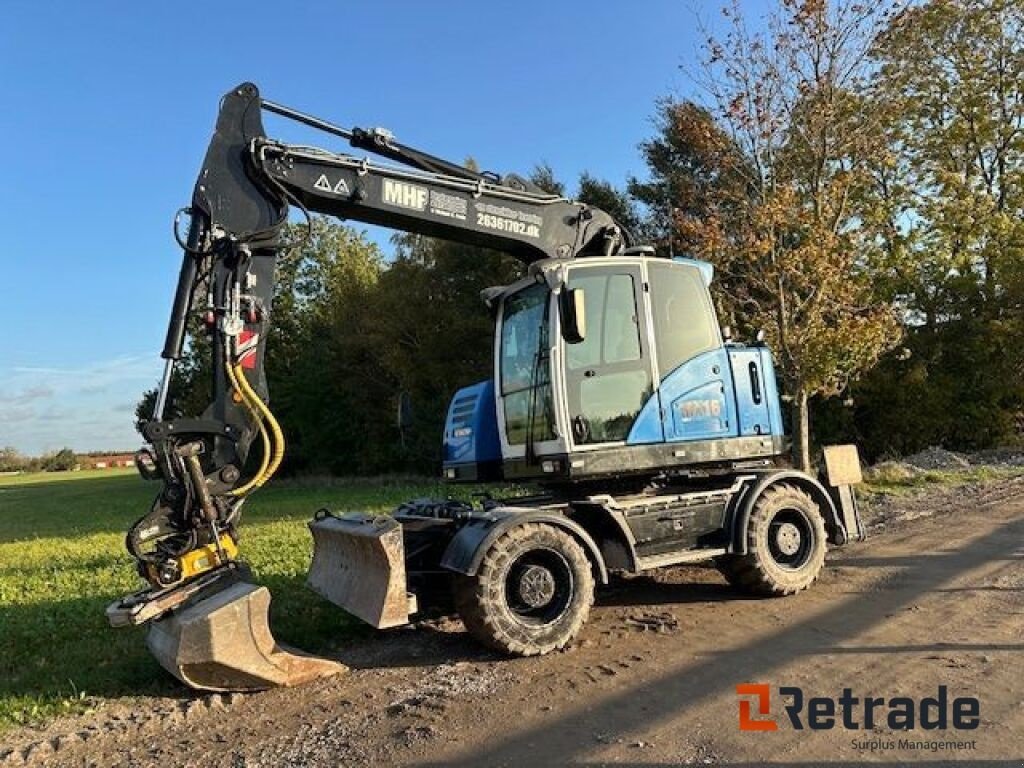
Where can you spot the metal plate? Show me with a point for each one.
(359, 565)
(842, 465)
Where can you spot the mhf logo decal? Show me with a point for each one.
(762, 693)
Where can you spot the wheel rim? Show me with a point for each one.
(539, 586)
(790, 538)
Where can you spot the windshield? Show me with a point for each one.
(524, 367)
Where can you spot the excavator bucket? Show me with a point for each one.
(222, 642)
(359, 565)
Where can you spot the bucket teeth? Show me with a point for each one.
(223, 643)
(359, 565)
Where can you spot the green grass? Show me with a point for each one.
(62, 561)
(898, 484)
(34, 478)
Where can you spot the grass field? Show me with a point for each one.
(62, 560)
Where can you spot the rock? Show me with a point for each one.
(38, 750)
(937, 458)
(662, 623)
(67, 740)
(12, 757)
(1002, 457)
(414, 734)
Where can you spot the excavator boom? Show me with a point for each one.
(208, 624)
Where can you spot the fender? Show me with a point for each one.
(744, 505)
(466, 549)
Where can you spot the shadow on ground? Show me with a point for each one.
(673, 695)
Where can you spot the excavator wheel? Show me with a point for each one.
(223, 642)
(531, 594)
(785, 545)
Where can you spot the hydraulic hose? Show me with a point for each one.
(254, 400)
(253, 482)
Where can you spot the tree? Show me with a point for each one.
(697, 172)
(544, 178)
(767, 179)
(11, 460)
(953, 72)
(433, 334)
(698, 194)
(327, 385)
(602, 194)
(63, 460)
(951, 80)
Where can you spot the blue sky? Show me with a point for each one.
(107, 108)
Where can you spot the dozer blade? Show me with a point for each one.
(359, 565)
(223, 643)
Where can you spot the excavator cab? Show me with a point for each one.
(612, 366)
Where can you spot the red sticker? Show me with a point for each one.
(245, 349)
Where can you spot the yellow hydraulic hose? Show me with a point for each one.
(275, 428)
(265, 438)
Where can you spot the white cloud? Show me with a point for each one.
(93, 375)
(85, 407)
(16, 414)
(25, 396)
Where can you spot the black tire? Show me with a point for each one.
(531, 594)
(786, 545)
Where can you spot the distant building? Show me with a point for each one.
(107, 461)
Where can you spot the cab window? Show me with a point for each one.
(524, 367)
(684, 318)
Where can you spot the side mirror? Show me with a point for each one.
(404, 412)
(727, 333)
(572, 306)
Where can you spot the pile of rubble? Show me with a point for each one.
(999, 457)
(937, 458)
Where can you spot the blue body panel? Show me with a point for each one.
(726, 392)
(694, 402)
(471, 428)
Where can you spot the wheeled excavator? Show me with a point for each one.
(651, 437)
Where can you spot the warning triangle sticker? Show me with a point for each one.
(323, 183)
(341, 188)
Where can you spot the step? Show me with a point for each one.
(676, 558)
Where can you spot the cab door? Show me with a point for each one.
(751, 391)
(607, 375)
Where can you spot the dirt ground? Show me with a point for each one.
(934, 597)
